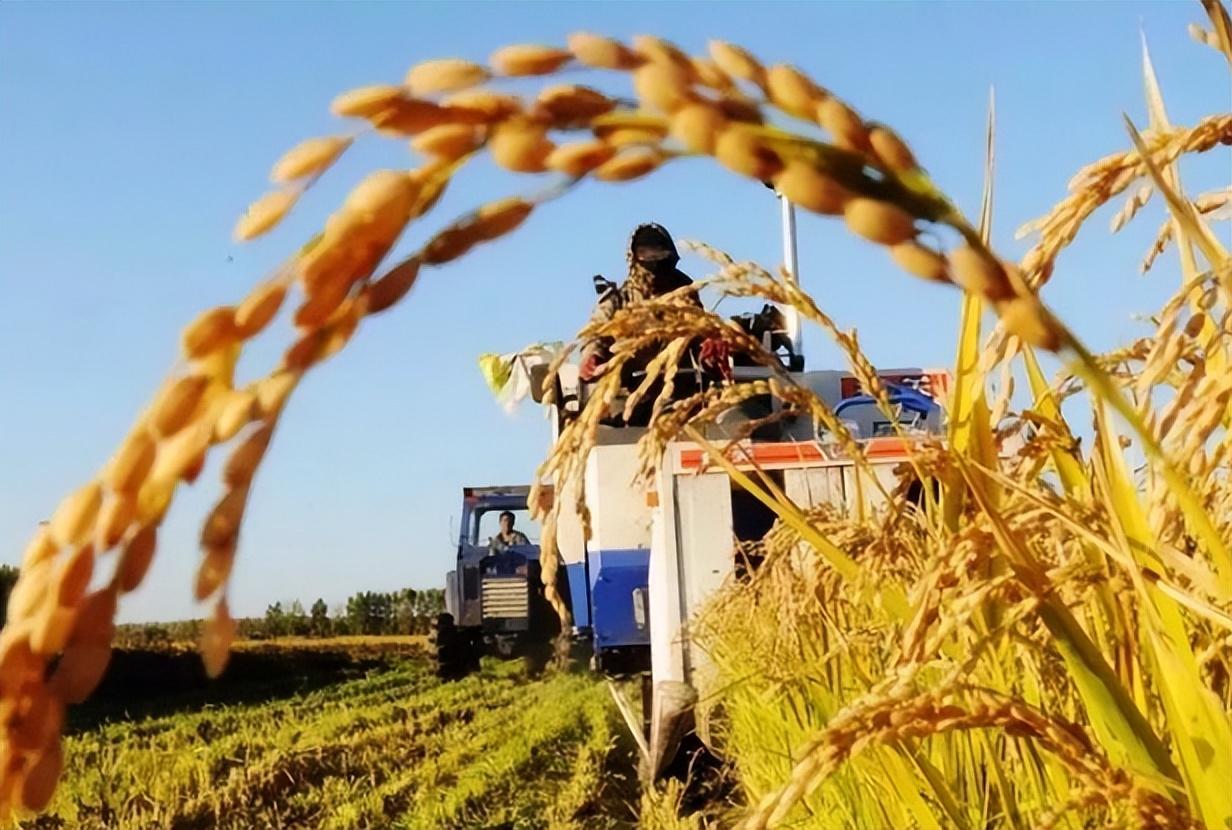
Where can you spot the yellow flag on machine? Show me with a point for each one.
(509, 375)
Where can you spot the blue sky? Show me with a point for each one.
(133, 135)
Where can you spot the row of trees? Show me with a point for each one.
(407, 611)
(369, 612)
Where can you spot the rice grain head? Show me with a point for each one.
(800, 182)
(697, 126)
(570, 104)
(576, 159)
(520, 146)
(263, 214)
(662, 86)
(629, 165)
(528, 59)
(366, 101)
(445, 75)
(310, 157)
(792, 91)
(73, 520)
(391, 286)
(881, 222)
(740, 150)
(132, 462)
(448, 141)
(602, 52)
(212, 330)
(737, 62)
(921, 261)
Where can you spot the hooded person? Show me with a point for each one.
(652, 273)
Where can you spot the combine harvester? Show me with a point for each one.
(660, 550)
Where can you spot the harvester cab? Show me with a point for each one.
(494, 601)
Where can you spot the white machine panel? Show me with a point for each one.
(705, 547)
(619, 516)
(811, 486)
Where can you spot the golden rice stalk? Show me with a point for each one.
(921, 261)
(709, 74)
(569, 105)
(521, 146)
(40, 548)
(132, 462)
(803, 185)
(579, 158)
(244, 459)
(662, 86)
(136, 558)
(72, 577)
(979, 274)
(214, 570)
(311, 157)
(528, 59)
(222, 526)
(235, 412)
(114, 519)
(176, 406)
(212, 330)
(445, 75)
(737, 62)
(410, 116)
(496, 219)
(79, 671)
(272, 393)
(1102, 181)
(448, 141)
(264, 214)
(843, 124)
(880, 222)
(38, 784)
(366, 101)
(74, 518)
(216, 638)
(793, 92)
(391, 286)
(487, 106)
(891, 151)
(259, 308)
(629, 165)
(743, 151)
(658, 50)
(602, 52)
(696, 126)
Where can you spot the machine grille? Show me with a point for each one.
(505, 597)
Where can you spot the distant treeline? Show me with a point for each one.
(408, 611)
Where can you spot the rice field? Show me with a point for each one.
(392, 747)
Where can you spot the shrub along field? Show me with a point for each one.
(335, 734)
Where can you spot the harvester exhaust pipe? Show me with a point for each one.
(792, 264)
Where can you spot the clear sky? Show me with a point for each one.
(133, 135)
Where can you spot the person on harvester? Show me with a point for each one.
(652, 273)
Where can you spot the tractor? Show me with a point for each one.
(494, 601)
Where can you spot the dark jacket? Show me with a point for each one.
(652, 275)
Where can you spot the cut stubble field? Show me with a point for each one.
(341, 734)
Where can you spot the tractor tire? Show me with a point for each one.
(450, 649)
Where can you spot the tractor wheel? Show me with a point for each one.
(449, 649)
